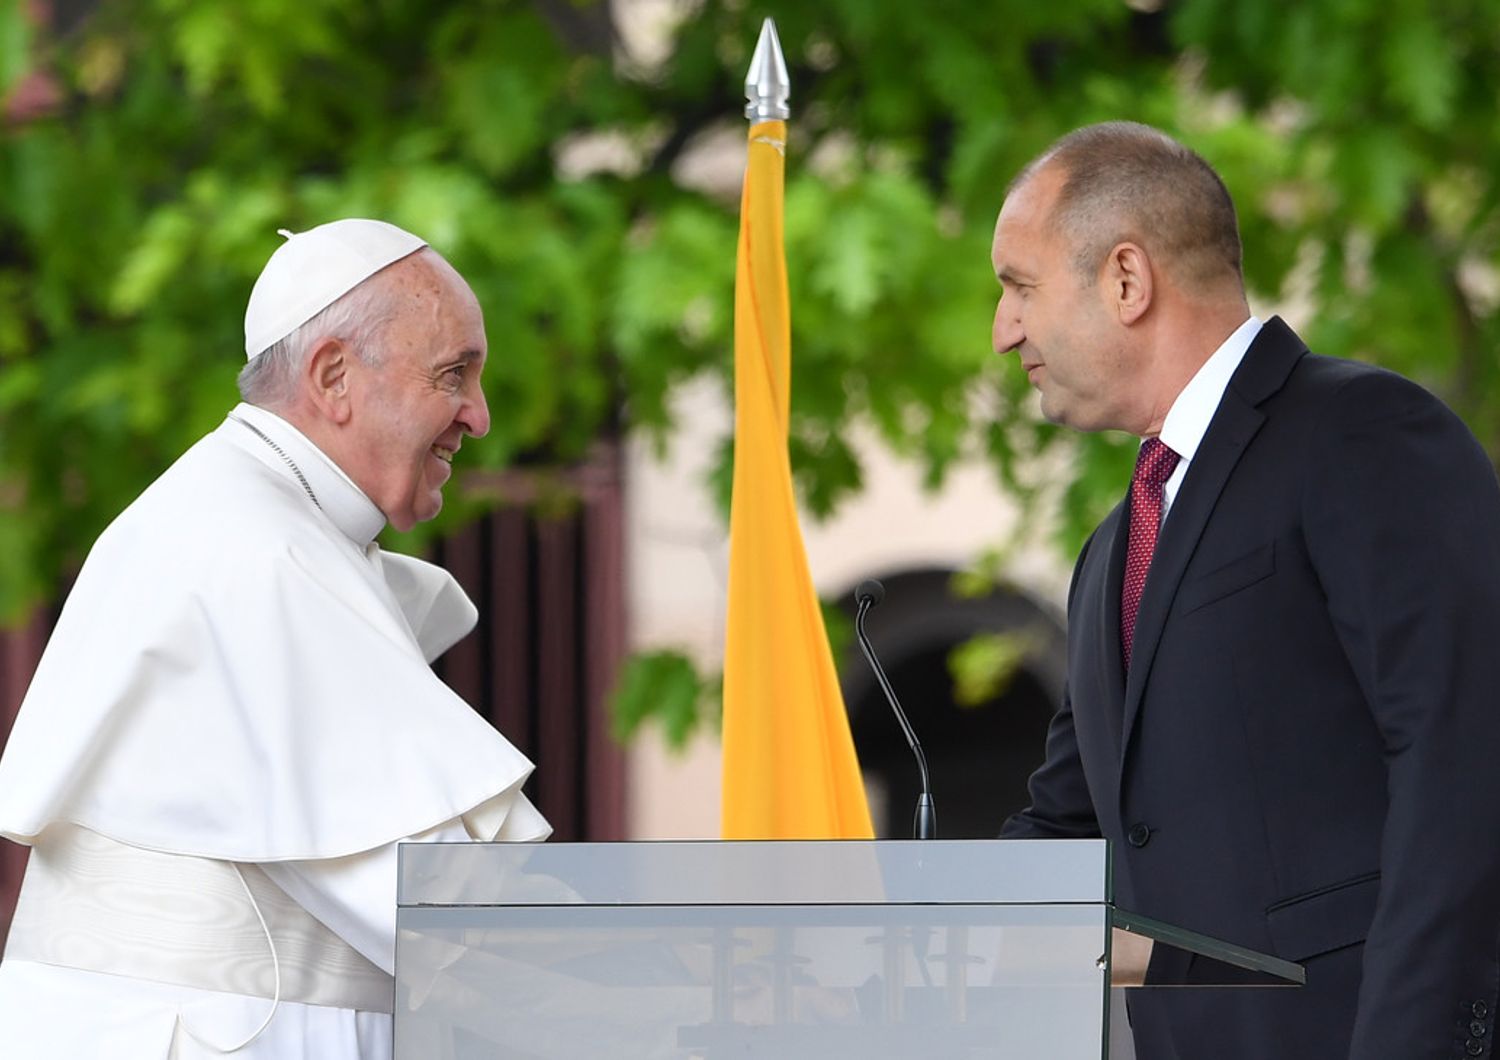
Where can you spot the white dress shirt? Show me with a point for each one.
(1188, 419)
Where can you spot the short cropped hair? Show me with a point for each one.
(358, 317)
(1124, 181)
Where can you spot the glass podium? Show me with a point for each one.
(701, 950)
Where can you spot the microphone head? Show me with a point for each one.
(870, 590)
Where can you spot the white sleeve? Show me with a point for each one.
(355, 896)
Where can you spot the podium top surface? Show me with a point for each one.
(713, 872)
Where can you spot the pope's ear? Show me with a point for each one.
(327, 378)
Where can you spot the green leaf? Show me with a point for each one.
(204, 37)
(154, 261)
(983, 666)
(15, 44)
(663, 687)
(1421, 71)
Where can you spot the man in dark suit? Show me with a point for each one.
(1284, 643)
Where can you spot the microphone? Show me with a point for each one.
(924, 822)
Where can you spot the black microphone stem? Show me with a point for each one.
(924, 825)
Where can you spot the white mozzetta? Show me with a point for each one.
(240, 674)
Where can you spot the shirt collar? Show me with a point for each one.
(341, 500)
(1188, 419)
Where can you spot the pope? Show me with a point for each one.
(236, 719)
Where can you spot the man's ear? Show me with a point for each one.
(1131, 281)
(327, 378)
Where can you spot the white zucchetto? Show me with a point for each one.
(314, 269)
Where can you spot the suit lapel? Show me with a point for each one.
(1233, 426)
(1109, 661)
(1265, 368)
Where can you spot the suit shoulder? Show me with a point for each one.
(1340, 378)
(1353, 393)
(1352, 410)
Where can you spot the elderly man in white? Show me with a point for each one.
(236, 719)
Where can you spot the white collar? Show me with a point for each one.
(1188, 419)
(334, 491)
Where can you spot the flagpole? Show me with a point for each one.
(768, 88)
(789, 767)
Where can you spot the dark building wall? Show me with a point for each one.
(551, 638)
(19, 651)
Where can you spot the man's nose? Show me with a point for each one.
(474, 416)
(1007, 333)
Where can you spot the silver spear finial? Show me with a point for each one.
(767, 85)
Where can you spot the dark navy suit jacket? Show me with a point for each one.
(1305, 758)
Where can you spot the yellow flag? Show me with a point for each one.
(789, 766)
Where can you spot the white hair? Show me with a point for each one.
(358, 318)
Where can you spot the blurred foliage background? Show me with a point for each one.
(561, 154)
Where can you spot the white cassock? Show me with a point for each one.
(233, 724)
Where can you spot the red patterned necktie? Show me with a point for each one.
(1153, 467)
